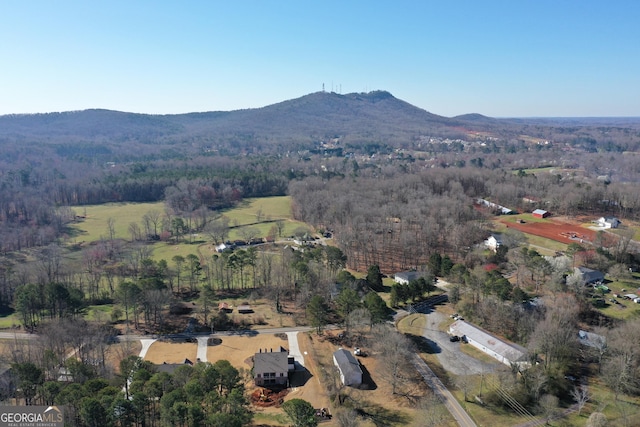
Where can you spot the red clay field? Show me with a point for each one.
(563, 232)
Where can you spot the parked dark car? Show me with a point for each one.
(454, 338)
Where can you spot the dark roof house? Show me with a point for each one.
(170, 368)
(271, 368)
(588, 275)
(590, 339)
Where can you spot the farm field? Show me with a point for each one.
(553, 229)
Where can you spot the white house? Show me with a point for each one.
(405, 277)
(348, 366)
(499, 349)
(493, 242)
(221, 247)
(608, 222)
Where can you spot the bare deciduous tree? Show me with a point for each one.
(432, 412)
(394, 350)
(597, 419)
(548, 406)
(347, 417)
(581, 396)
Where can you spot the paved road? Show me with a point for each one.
(17, 336)
(240, 332)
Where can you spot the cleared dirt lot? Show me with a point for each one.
(239, 350)
(161, 352)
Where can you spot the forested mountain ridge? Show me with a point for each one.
(353, 120)
(313, 117)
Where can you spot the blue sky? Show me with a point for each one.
(511, 58)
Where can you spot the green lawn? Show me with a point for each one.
(602, 399)
(10, 320)
(166, 251)
(527, 217)
(270, 208)
(626, 309)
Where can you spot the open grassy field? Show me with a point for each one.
(627, 225)
(167, 250)
(95, 224)
(8, 321)
(260, 209)
(258, 214)
(624, 411)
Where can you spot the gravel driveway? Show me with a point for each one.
(449, 354)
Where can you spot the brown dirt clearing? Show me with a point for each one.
(161, 352)
(239, 350)
(563, 232)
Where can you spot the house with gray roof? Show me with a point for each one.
(271, 368)
(608, 222)
(501, 350)
(590, 339)
(588, 275)
(348, 366)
